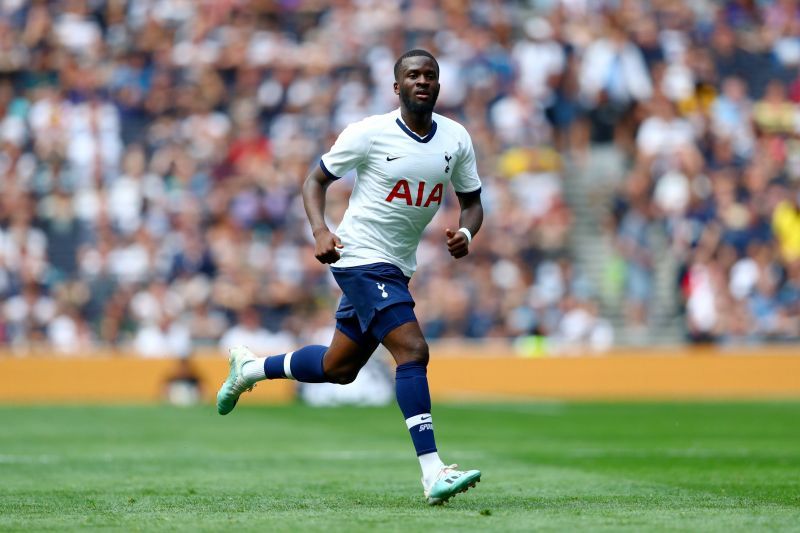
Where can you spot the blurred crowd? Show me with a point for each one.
(709, 117)
(152, 152)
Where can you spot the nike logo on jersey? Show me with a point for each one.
(393, 157)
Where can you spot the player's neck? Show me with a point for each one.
(419, 123)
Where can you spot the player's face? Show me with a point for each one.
(418, 85)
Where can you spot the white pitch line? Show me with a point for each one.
(27, 459)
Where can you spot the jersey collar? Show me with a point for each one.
(413, 135)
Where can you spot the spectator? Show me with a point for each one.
(775, 114)
(664, 135)
(614, 77)
(164, 337)
(786, 224)
(248, 331)
(731, 116)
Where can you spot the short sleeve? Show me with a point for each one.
(346, 153)
(465, 174)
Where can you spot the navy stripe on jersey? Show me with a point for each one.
(327, 172)
(413, 135)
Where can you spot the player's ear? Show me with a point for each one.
(396, 88)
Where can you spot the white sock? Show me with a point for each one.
(254, 370)
(430, 464)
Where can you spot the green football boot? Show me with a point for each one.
(450, 482)
(236, 383)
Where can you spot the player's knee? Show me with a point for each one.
(346, 379)
(342, 375)
(347, 376)
(416, 351)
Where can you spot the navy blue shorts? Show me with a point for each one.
(376, 300)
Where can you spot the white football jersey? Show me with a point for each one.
(400, 183)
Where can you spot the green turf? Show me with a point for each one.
(556, 467)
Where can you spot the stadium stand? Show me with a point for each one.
(640, 165)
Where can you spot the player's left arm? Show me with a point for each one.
(470, 220)
(465, 178)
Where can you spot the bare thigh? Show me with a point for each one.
(407, 344)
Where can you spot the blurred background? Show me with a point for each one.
(641, 168)
(641, 184)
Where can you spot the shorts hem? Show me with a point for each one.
(347, 333)
(404, 321)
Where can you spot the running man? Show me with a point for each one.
(403, 161)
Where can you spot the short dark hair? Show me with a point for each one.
(413, 53)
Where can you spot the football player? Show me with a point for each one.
(404, 161)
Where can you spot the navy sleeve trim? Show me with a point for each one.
(470, 194)
(327, 172)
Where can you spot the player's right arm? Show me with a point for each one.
(346, 154)
(327, 243)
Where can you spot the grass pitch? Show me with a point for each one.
(557, 467)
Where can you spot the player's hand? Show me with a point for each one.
(457, 243)
(327, 247)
